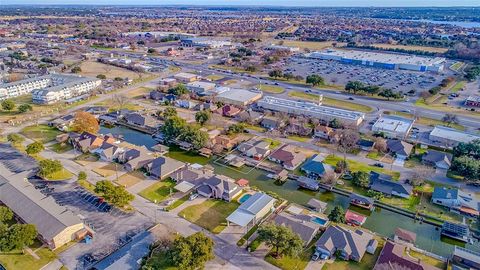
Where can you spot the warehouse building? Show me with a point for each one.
(381, 60)
(50, 88)
(393, 126)
(158, 34)
(55, 224)
(473, 101)
(200, 88)
(313, 110)
(450, 137)
(204, 43)
(239, 97)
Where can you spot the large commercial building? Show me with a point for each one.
(50, 88)
(450, 137)
(393, 126)
(205, 43)
(239, 97)
(381, 60)
(158, 34)
(311, 110)
(55, 224)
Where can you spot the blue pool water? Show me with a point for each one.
(320, 221)
(244, 198)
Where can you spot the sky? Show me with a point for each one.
(395, 3)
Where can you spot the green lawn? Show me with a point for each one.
(253, 127)
(210, 214)
(359, 166)
(456, 66)
(18, 260)
(63, 174)
(342, 104)
(41, 133)
(158, 191)
(375, 155)
(214, 77)
(160, 260)
(459, 85)
(299, 138)
(61, 147)
(429, 121)
(186, 156)
(178, 202)
(274, 144)
(291, 262)
(272, 89)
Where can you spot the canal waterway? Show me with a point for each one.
(381, 221)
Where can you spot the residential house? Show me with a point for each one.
(399, 149)
(317, 205)
(308, 183)
(157, 95)
(140, 120)
(323, 132)
(300, 224)
(185, 103)
(252, 210)
(257, 149)
(108, 151)
(314, 167)
(393, 255)
(465, 258)
(456, 200)
(405, 237)
(366, 145)
(229, 111)
(271, 123)
(249, 116)
(437, 159)
(298, 128)
(288, 157)
(225, 142)
(63, 122)
(383, 183)
(219, 187)
(134, 158)
(350, 245)
(361, 201)
(186, 77)
(88, 142)
(162, 167)
(206, 106)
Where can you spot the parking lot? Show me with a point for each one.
(338, 73)
(113, 227)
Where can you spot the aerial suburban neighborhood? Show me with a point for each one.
(230, 136)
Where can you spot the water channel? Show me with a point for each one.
(381, 221)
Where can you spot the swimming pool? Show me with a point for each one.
(244, 198)
(319, 220)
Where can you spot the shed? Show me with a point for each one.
(317, 205)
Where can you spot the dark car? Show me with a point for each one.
(380, 165)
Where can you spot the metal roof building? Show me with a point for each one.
(252, 210)
(310, 109)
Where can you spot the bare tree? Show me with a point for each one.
(420, 174)
(120, 101)
(347, 141)
(450, 119)
(380, 145)
(328, 178)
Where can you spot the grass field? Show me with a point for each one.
(311, 45)
(299, 138)
(214, 77)
(139, 92)
(459, 85)
(61, 147)
(273, 143)
(158, 191)
(105, 171)
(272, 89)
(41, 133)
(359, 166)
(456, 66)
(185, 156)
(63, 174)
(92, 69)
(290, 262)
(342, 104)
(18, 260)
(411, 47)
(256, 128)
(210, 214)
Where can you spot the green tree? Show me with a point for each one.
(82, 176)
(375, 194)
(315, 80)
(191, 252)
(173, 127)
(101, 77)
(116, 195)
(236, 128)
(34, 148)
(24, 108)
(281, 238)
(337, 215)
(8, 105)
(361, 179)
(276, 73)
(151, 50)
(178, 90)
(194, 135)
(18, 236)
(471, 149)
(450, 119)
(202, 117)
(85, 122)
(76, 70)
(335, 123)
(15, 138)
(354, 86)
(49, 166)
(169, 112)
(5, 214)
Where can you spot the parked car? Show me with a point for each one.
(316, 256)
(193, 196)
(380, 165)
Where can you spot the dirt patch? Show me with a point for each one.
(92, 69)
(129, 179)
(107, 170)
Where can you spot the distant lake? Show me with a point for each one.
(461, 24)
